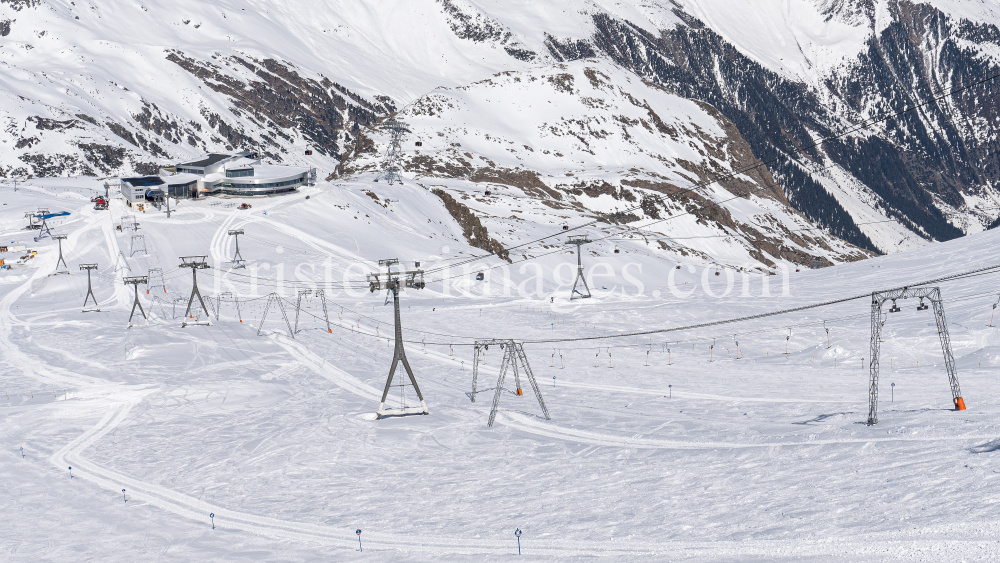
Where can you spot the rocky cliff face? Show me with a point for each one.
(589, 140)
(933, 170)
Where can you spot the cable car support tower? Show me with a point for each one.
(389, 170)
(579, 241)
(513, 356)
(65, 270)
(238, 261)
(932, 294)
(394, 282)
(195, 263)
(90, 289)
(134, 281)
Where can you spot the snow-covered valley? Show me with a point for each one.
(723, 447)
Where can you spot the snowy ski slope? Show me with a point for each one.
(764, 457)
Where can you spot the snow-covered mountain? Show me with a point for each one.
(113, 87)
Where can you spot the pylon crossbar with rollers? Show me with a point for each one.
(513, 357)
(195, 263)
(90, 289)
(932, 294)
(135, 281)
(394, 282)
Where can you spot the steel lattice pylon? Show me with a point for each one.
(513, 356)
(933, 294)
(389, 170)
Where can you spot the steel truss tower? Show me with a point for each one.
(933, 294)
(134, 281)
(276, 299)
(394, 282)
(137, 246)
(298, 306)
(513, 356)
(90, 289)
(42, 225)
(153, 274)
(195, 263)
(579, 241)
(389, 170)
(227, 296)
(59, 239)
(238, 261)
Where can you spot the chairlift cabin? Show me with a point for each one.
(309, 152)
(565, 227)
(487, 192)
(617, 250)
(480, 276)
(419, 143)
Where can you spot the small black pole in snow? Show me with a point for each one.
(892, 393)
(123, 496)
(517, 534)
(670, 389)
(553, 381)
(71, 472)
(359, 539)
(22, 453)
(212, 516)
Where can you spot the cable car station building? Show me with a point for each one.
(219, 174)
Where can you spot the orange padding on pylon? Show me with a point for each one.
(960, 404)
(519, 392)
(331, 330)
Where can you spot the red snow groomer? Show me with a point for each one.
(99, 203)
(245, 206)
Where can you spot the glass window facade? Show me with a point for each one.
(242, 173)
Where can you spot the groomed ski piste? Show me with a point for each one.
(666, 446)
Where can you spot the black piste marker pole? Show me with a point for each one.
(212, 516)
(71, 472)
(123, 496)
(359, 539)
(517, 534)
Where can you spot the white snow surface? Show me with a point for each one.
(765, 457)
